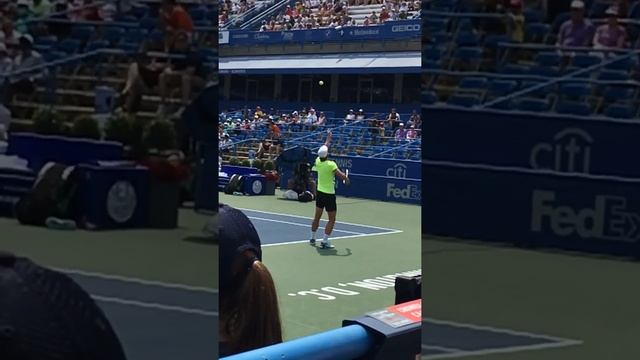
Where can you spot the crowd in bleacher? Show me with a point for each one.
(316, 14)
(522, 44)
(358, 132)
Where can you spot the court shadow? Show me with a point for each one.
(201, 240)
(333, 252)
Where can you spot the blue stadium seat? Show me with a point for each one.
(513, 69)
(429, 97)
(502, 87)
(46, 40)
(113, 35)
(634, 10)
(54, 55)
(573, 108)
(559, 20)
(532, 16)
(622, 65)
(432, 64)
(467, 39)
(492, 41)
(436, 24)
(433, 53)
(149, 23)
(82, 33)
(582, 75)
(540, 92)
(548, 71)
(469, 55)
(617, 94)
(575, 90)
(135, 35)
(465, 25)
(464, 100)
(547, 59)
(537, 32)
(620, 111)
(139, 11)
(585, 60)
(198, 14)
(533, 104)
(613, 75)
(598, 8)
(473, 83)
(442, 38)
(69, 46)
(503, 105)
(96, 45)
(203, 23)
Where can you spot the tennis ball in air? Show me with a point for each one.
(321, 82)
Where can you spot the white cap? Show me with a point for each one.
(577, 4)
(27, 37)
(612, 10)
(401, 124)
(323, 151)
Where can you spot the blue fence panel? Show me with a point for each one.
(389, 31)
(532, 207)
(566, 144)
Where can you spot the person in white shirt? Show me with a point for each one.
(6, 63)
(350, 116)
(321, 119)
(24, 83)
(360, 115)
(311, 117)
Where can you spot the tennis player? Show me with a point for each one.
(326, 193)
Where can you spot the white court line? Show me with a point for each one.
(299, 224)
(511, 349)
(333, 238)
(137, 281)
(496, 330)
(557, 341)
(155, 306)
(441, 348)
(308, 218)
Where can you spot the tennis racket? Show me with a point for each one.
(346, 172)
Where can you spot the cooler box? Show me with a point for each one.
(114, 196)
(254, 184)
(40, 149)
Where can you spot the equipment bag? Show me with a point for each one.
(234, 185)
(53, 194)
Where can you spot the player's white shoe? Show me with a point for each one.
(326, 245)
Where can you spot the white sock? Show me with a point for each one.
(325, 239)
(313, 235)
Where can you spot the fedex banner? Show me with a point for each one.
(564, 144)
(532, 208)
(390, 30)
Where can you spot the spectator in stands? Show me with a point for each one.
(185, 71)
(373, 18)
(576, 31)
(249, 313)
(412, 134)
(393, 119)
(403, 15)
(6, 64)
(366, 21)
(515, 19)
(350, 116)
(401, 133)
(360, 115)
(414, 119)
(176, 20)
(322, 119)
(264, 146)
(9, 35)
(275, 135)
(23, 14)
(611, 35)
(24, 83)
(311, 117)
(41, 8)
(384, 15)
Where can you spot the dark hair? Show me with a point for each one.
(250, 315)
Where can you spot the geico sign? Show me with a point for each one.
(608, 219)
(403, 28)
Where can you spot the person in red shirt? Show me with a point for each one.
(384, 15)
(175, 20)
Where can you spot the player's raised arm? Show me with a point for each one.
(329, 137)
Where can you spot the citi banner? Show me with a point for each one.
(532, 141)
(390, 30)
(533, 208)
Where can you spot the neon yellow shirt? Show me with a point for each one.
(326, 175)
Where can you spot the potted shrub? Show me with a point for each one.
(234, 161)
(246, 163)
(86, 127)
(119, 128)
(47, 121)
(271, 177)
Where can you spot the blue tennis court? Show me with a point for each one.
(448, 340)
(146, 313)
(279, 229)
